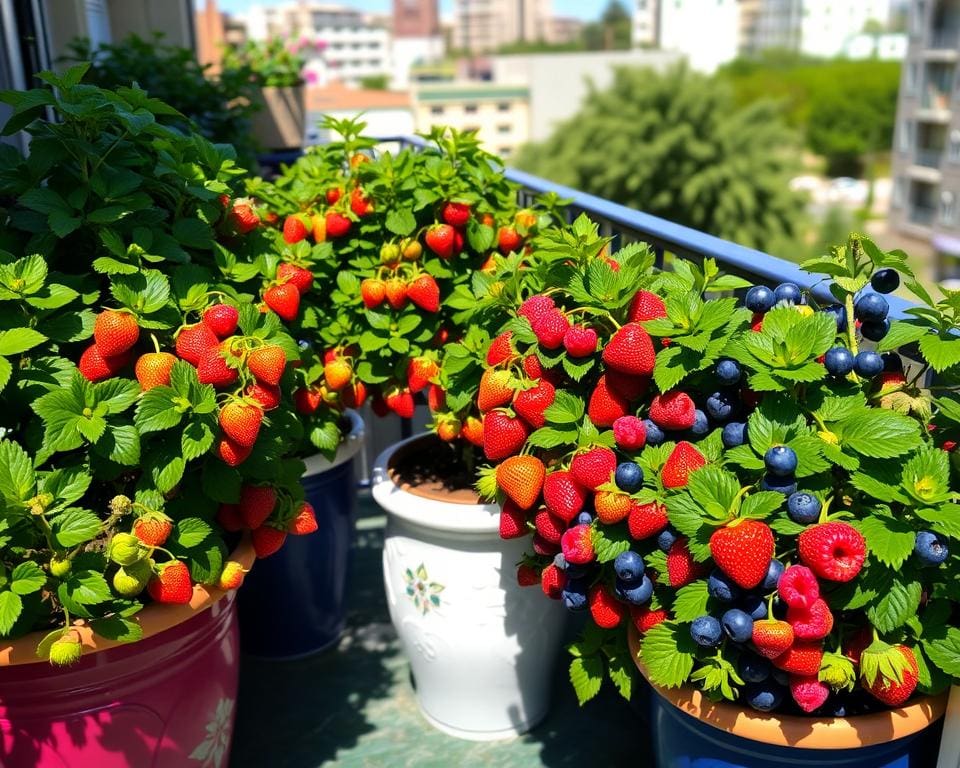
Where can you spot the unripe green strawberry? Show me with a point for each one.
(131, 580)
(66, 650)
(120, 505)
(60, 567)
(126, 549)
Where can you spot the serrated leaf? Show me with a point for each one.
(86, 587)
(75, 526)
(609, 541)
(400, 221)
(27, 578)
(191, 531)
(17, 478)
(117, 628)
(586, 676)
(691, 601)
(881, 434)
(897, 604)
(18, 340)
(944, 650)
(565, 409)
(760, 505)
(889, 539)
(667, 652)
(157, 410)
(10, 607)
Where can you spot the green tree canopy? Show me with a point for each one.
(675, 145)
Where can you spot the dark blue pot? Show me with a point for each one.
(292, 603)
(683, 741)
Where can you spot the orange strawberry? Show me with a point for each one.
(318, 227)
(425, 293)
(115, 332)
(94, 366)
(297, 276)
(420, 370)
(230, 452)
(521, 478)
(231, 577)
(153, 369)
(153, 528)
(448, 428)
(240, 421)
(508, 239)
(396, 291)
(171, 584)
(373, 291)
(194, 341)
(267, 540)
(267, 363)
(771, 637)
(410, 249)
(611, 507)
(337, 373)
(743, 550)
(472, 430)
(222, 319)
(305, 521)
(284, 300)
(494, 390)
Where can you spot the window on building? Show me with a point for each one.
(470, 109)
(913, 76)
(436, 110)
(504, 128)
(906, 136)
(503, 106)
(899, 192)
(948, 208)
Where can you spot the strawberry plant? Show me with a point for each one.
(147, 389)
(761, 489)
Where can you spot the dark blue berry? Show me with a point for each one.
(839, 314)
(871, 308)
(560, 561)
(575, 571)
(789, 292)
(839, 361)
(629, 477)
(721, 587)
(931, 548)
(738, 625)
(755, 606)
(701, 424)
(779, 676)
(574, 595)
(655, 435)
(780, 460)
(885, 280)
(582, 518)
(868, 364)
(875, 331)
(665, 539)
(706, 631)
(803, 508)
(764, 697)
(784, 485)
(759, 299)
(774, 572)
(721, 406)
(754, 669)
(635, 594)
(629, 566)
(734, 434)
(728, 372)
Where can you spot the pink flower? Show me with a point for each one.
(310, 76)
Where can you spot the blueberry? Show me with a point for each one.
(868, 364)
(575, 571)
(759, 299)
(728, 372)
(629, 477)
(706, 631)
(655, 435)
(575, 595)
(871, 308)
(666, 538)
(892, 363)
(734, 434)
(560, 561)
(788, 292)
(755, 606)
(303, 345)
(774, 572)
(582, 518)
(721, 406)
(838, 361)
(875, 331)
(784, 485)
(701, 424)
(780, 460)
(781, 677)
(636, 594)
(930, 548)
(885, 280)
(839, 314)
(629, 566)
(738, 625)
(764, 697)
(803, 508)
(754, 669)
(721, 587)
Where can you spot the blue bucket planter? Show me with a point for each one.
(292, 603)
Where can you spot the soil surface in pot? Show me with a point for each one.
(432, 468)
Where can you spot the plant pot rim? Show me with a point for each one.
(349, 447)
(794, 731)
(153, 619)
(428, 508)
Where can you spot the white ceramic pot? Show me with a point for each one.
(482, 648)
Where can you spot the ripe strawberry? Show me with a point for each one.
(606, 610)
(625, 385)
(360, 204)
(373, 291)
(743, 550)
(354, 395)
(577, 545)
(455, 214)
(268, 395)
(527, 575)
(543, 547)
(267, 363)
(771, 637)
(419, 372)
(299, 277)
(535, 307)
(94, 366)
(267, 540)
(521, 479)
(552, 581)
(257, 503)
(400, 401)
(646, 306)
(228, 515)
(889, 689)
(436, 398)
(115, 332)
(533, 368)
(153, 369)
(153, 529)
(171, 584)
(607, 405)
(472, 430)
(242, 216)
(194, 342)
(611, 507)
(240, 421)
(563, 495)
(550, 328)
(501, 349)
(683, 460)
(333, 195)
(494, 390)
(808, 692)
(397, 292)
(673, 410)
(646, 520)
(304, 521)
(425, 293)
(801, 658)
(448, 428)
(440, 240)
(580, 341)
(306, 401)
(549, 526)
(630, 350)
(629, 432)
(379, 405)
(508, 239)
(833, 551)
(644, 618)
(798, 586)
(231, 577)
(856, 643)
(337, 225)
(222, 319)
(513, 521)
(284, 300)
(593, 467)
(681, 567)
(811, 623)
(230, 452)
(531, 404)
(337, 373)
(295, 227)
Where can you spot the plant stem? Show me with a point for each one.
(851, 324)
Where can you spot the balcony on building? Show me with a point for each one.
(922, 207)
(928, 154)
(943, 42)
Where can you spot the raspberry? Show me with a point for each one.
(811, 623)
(798, 586)
(630, 433)
(833, 551)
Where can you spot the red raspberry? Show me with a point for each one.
(798, 586)
(645, 619)
(580, 341)
(630, 433)
(811, 623)
(808, 692)
(550, 328)
(833, 551)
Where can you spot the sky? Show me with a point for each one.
(584, 9)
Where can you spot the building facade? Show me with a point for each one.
(814, 27)
(925, 201)
(646, 29)
(482, 26)
(417, 38)
(706, 32)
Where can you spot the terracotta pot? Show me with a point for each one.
(165, 701)
(281, 120)
(691, 731)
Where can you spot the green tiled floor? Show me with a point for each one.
(354, 706)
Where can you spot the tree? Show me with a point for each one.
(612, 31)
(674, 145)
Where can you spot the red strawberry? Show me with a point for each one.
(549, 526)
(681, 567)
(354, 395)
(563, 495)
(593, 467)
(267, 363)
(268, 395)
(396, 290)
(267, 540)
(228, 515)
(646, 520)
(153, 529)
(550, 328)
(359, 203)
(400, 401)
(521, 478)
(531, 404)
(646, 306)
(606, 405)
(743, 550)
(580, 341)
(808, 692)
(535, 307)
(424, 292)
(240, 421)
(606, 610)
(771, 637)
(373, 291)
(243, 217)
(171, 584)
(683, 460)
(284, 300)
(513, 521)
(333, 195)
(295, 228)
(532, 367)
(527, 575)
(115, 332)
(304, 521)
(222, 319)
(194, 342)
(94, 366)
(436, 397)
(543, 547)
(798, 586)
(811, 623)
(419, 372)
(886, 688)
(153, 369)
(213, 369)
(257, 503)
(673, 410)
(494, 390)
(440, 240)
(645, 618)
(801, 658)
(611, 507)
(625, 385)
(299, 277)
(630, 350)
(501, 349)
(629, 432)
(337, 373)
(552, 581)
(577, 545)
(230, 452)
(503, 435)
(472, 430)
(508, 240)
(833, 551)
(455, 214)
(856, 643)
(337, 225)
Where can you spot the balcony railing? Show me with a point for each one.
(935, 99)
(944, 39)
(928, 158)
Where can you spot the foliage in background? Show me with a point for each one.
(274, 62)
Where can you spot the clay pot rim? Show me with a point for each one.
(795, 731)
(153, 619)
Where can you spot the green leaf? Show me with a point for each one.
(121, 443)
(75, 526)
(902, 333)
(18, 340)
(895, 605)
(27, 578)
(944, 651)
(941, 352)
(714, 489)
(10, 607)
(610, 541)
(157, 410)
(667, 653)
(586, 675)
(400, 221)
(197, 439)
(622, 670)
(191, 531)
(550, 437)
(565, 409)
(881, 434)
(193, 233)
(117, 628)
(889, 539)
(691, 601)
(17, 478)
(87, 587)
(760, 505)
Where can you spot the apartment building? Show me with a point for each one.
(706, 32)
(417, 39)
(925, 202)
(481, 26)
(814, 27)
